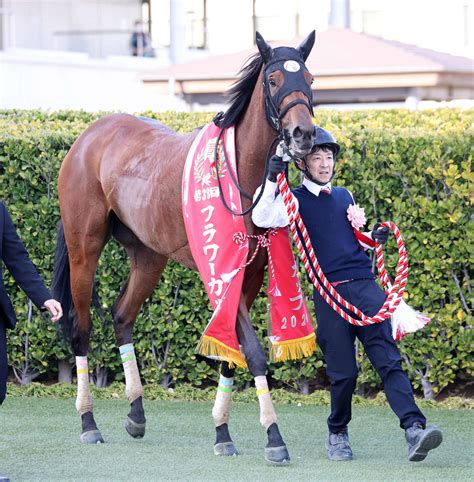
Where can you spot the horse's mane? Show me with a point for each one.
(241, 91)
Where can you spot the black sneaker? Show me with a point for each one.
(421, 440)
(338, 447)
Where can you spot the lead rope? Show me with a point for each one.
(394, 292)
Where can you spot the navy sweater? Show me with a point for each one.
(325, 216)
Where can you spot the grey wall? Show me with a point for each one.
(98, 27)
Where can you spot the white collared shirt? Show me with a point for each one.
(270, 212)
(314, 188)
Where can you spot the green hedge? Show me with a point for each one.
(413, 168)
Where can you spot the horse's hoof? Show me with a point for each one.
(136, 430)
(226, 448)
(91, 437)
(277, 455)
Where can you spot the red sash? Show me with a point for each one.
(219, 246)
(291, 332)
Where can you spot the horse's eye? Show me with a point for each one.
(312, 80)
(272, 83)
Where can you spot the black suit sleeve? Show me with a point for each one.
(19, 264)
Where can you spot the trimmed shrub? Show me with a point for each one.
(413, 168)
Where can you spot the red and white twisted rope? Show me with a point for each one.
(394, 292)
(263, 240)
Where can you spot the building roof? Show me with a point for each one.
(344, 51)
(340, 59)
(336, 51)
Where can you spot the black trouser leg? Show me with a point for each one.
(3, 362)
(384, 355)
(336, 339)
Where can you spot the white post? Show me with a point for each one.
(177, 31)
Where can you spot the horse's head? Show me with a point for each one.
(288, 97)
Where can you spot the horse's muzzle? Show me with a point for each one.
(300, 140)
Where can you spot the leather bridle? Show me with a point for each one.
(291, 84)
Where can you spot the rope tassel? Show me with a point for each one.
(407, 320)
(228, 277)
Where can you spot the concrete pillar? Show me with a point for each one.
(340, 15)
(412, 100)
(2, 25)
(177, 31)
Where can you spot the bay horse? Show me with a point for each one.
(120, 178)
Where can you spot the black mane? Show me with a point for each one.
(241, 91)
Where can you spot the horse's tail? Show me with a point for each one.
(61, 285)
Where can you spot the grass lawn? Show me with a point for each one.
(39, 440)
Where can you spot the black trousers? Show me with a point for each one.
(3, 361)
(336, 338)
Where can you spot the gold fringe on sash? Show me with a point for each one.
(209, 346)
(293, 349)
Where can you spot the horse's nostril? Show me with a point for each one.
(297, 133)
(302, 139)
(301, 134)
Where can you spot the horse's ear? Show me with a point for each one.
(264, 49)
(305, 47)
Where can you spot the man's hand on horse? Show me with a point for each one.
(54, 308)
(275, 166)
(380, 233)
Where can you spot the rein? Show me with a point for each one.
(235, 181)
(320, 282)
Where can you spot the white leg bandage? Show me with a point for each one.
(84, 397)
(267, 413)
(220, 411)
(133, 384)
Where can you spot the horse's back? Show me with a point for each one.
(132, 166)
(104, 130)
(122, 144)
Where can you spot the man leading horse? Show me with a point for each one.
(333, 222)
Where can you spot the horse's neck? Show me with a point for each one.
(253, 138)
